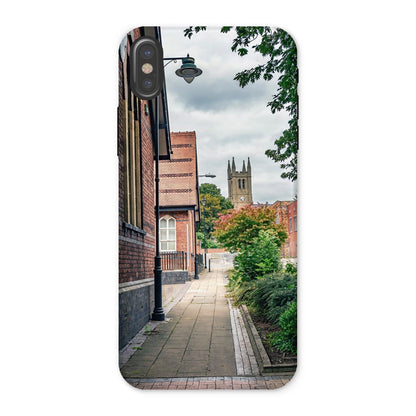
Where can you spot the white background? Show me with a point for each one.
(59, 207)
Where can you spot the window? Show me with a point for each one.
(239, 184)
(244, 184)
(167, 234)
(129, 113)
(290, 224)
(295, 223)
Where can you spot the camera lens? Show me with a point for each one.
(147, 84)
(147, 51)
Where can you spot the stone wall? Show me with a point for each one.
(136, 303)
(170, 277)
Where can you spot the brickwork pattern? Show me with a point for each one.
(211, 383)
(179, 180)
(293, 235)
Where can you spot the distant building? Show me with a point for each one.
(179, 207)
(282, 219)
(293, 228)
(239, 184)
(286, 215)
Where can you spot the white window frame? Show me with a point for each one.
(168, 229)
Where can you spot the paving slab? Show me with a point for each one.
(196, 341)
(202, 345)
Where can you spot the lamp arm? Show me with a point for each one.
(173, 60)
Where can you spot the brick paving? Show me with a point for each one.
(211, 383)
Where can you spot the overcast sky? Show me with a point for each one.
(228, 120)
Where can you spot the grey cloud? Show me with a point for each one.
(228, 120)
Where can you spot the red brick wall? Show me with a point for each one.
(136, 246)
(282, 212)
(292, 211)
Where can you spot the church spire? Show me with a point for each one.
(244, 166)
(248, 166)
(233, 165)
(229, 170)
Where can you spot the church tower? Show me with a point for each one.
(239, 184)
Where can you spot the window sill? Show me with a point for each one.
(133, 228)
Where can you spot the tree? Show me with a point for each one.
(280, 50)
(215, 205)
(260, 258)
(239, 228)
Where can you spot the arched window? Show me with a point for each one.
(167, 234)
(239, 184)
(244, 184)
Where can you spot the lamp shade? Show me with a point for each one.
(188, 71)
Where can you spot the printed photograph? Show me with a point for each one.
(208, 209)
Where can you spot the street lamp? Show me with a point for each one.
(188, 71)
(204, 202)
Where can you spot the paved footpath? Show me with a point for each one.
(195, 348)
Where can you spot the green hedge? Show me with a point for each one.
(274, 297)
(286, 338)
(269, 296)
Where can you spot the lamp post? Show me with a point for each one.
(188, 71)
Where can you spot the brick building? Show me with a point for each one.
(136, 195)
(282, 218)
(179, 201)
(286, 215)
(292, 209)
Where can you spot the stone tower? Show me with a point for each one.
(239, 184)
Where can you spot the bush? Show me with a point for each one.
(260, 258)
(269, 297)
(291, 268)
(286, 339)
(272, 294)
(239, 228)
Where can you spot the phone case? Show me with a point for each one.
(208, 211)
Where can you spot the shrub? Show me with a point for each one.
(291, 268)
(269, 296)
(259, 258)
(272, 295)
(242, 292)
(286, 339)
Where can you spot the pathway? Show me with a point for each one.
(202, 344)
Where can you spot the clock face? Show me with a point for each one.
(242, 198)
